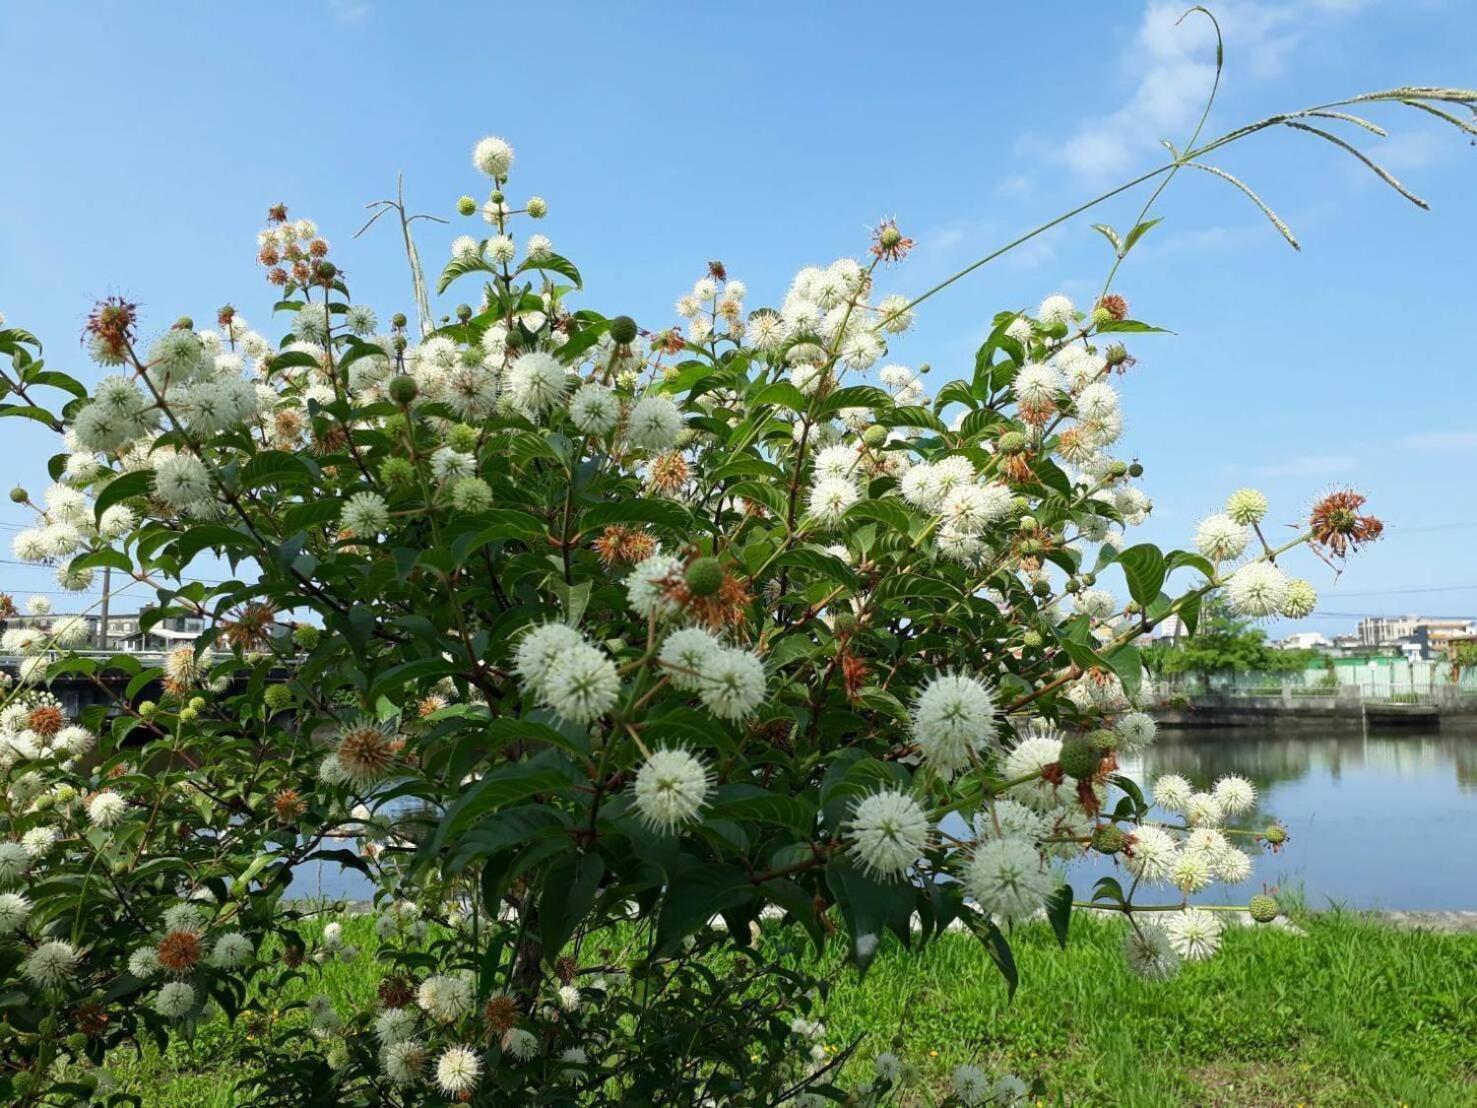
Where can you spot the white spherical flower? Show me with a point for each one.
(1172, 792)
(106, 809)
(1235, 794)
(520, 1045)
(830, 497)
(493, 156)
(1203, 810)
(174, 1000)
(1039, 748)
(1220, 538)
(595, 409)
(654, 424)
(1257, 589)
(502, 248)
(1152, 855)
(143, 963)
(889, 831)
(1055, 309)
(1037, 385)
(1149, 954)
(1246, 506)
(1135, 732)
(15, 909)
(647, 586)
(685, 655)
(953, 719)
(836, 462)
(971, 508)
(1194, 934)
(185, 917)
(1300, 600)
(970, 1084)
(395, 1025)
(888, 1066)
(365, 514)
(582, 683)
(537, 381)
(458, 1067)
(1020, 330)
(40, 841)
(921, 487)
(1098, 402)
(403, 1061)
(181, 480)
(1095, 603)
(569, 998)
(231, 950)
(444, 997)
(734, 683)
(671, 788)
(1231, 866)
(448, 464)
(536, 652)
(1192, 872)
(539, 247)
(464, 248)
(1007, 878)
(51, 964)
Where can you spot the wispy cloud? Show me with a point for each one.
(1310, 465)
(1441, 440)
(1174, 63)
(350, 11)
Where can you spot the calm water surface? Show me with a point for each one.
(1384, 820)
(1387, 820)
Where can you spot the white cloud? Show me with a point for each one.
(1174, 60)
(1310, 465)
(350, 11)
(1441, 440)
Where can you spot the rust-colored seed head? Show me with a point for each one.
(1114, 305)
(268, 255)
(669, 472)
(1337, 524)
(395, 992)
(277, 276)
(179, 951)
(566, 968)
(500, 1014)
(249, 629)
(289, 805)
(365, 753)
(46, 719)
(91, 1018)
(292, 956)
(277, 213)
(430, 705)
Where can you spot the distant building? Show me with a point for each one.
(1430, 633)
(124, 634)
(1304, 640)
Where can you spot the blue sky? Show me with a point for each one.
(145, 141)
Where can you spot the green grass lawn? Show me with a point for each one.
(1352, 1014)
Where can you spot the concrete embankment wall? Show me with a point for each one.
(1346, 708)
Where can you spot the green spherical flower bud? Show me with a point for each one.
(1089, 579)
(538, 207)
(1026, 523)
(1108, 839)
(1073, 585)
(875, 435)
(77, 1042)
(1263, 909)
(845, 623)
(470, 494)
(198, 703)
(1135, 470)
(1102, 740)
(148, 710)
(403, 388)
(1275, 834)
(623, 330)
(397, 471)
(497, 197)
(462, 438)
(19, 495)
(704, 576)
(1301, 599)
(327, 271)
(1117, 467)
(1079, 758)
(466, 205)
(1101, 317)
(1246, 506)
(398, 320)
(1032, 548)
(1041, 588)
(1032, 639)
(463, 312)
(1012, 442)
(184, 323)
(188, 714)
(1020, 505)
(514, 339)
(306, 636)
(277, 697)
(24, 1083)
(1116, 354)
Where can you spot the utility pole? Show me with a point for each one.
(102, 625)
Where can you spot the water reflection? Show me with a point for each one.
(1383, 820)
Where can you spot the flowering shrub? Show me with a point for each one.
(632, 660)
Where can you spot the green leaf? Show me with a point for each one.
(821, 564)
(1139, 232)
(745, 802)
(553, 263)
(506, 785)
(1145, 568)
(696, 892)
(998, 949)
(568, 891)
(460, 267)
(1059, 912)
(1111, 235)
(1133, 326)
(662, 513)
(277, 467)
(138, 483)
(869, 907)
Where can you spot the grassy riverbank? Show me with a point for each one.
(1352, 1014)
